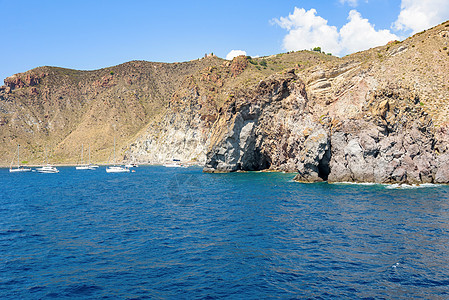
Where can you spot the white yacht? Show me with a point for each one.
(176, 163)
(87, 166)
(116, 169)
(173, 165)
(131, 165)
(47, 168)
(19, 167)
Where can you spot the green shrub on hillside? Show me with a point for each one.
(253, 62)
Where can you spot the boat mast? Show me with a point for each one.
(82, 150)
(18, 155)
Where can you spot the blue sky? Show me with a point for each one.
(89, 35)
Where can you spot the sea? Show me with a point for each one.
(178, 233)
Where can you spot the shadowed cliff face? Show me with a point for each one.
(275, 127)
(376, 116)
(254, 130)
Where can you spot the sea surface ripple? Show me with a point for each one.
(178, 233)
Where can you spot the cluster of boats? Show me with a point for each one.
(51, 169)
(47, 168)
(44, 169)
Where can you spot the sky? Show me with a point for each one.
(87, 35)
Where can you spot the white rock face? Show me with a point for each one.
(182, 136)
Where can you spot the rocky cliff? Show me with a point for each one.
(375, 116)
(155, 111)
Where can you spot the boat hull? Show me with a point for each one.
(86, 167)
(117, 170)
(19, 170)
(47, 170)
(172, 166)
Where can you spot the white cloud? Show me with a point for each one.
(353, 3)
(234, 53)
(417, 15)
(306, 30)
(359, 34)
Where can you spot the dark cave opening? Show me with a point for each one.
(323, 166)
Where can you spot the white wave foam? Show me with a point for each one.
(356, 183)
(391, 185)
(411, 186)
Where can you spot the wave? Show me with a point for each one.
(391, 185)
(411, 186)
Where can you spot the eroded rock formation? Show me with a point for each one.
(380, 115)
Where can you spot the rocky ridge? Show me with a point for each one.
(375, 116)
(61, 109)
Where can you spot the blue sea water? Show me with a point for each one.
(172, 233)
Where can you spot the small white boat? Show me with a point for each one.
(87, 166)
(47, 169)
(173, 165)
(116, 169)
(19, 167)
(131, 166)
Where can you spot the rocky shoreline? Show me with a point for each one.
(380, 115)
(274, 128)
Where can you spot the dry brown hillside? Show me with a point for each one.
(61, 109)
(158, 110)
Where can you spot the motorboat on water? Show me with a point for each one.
(176, 163)
(19, 167)
(173, 165)
(131, 165)
(86, 167)
(117, 169)
(47, 169)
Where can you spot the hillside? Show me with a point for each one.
(374, 116)
(378, 115)
(59, 109)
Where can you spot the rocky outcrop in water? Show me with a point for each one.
(275, 128)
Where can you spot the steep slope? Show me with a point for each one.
(60, 109)
(378, 115)
(184, 131)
